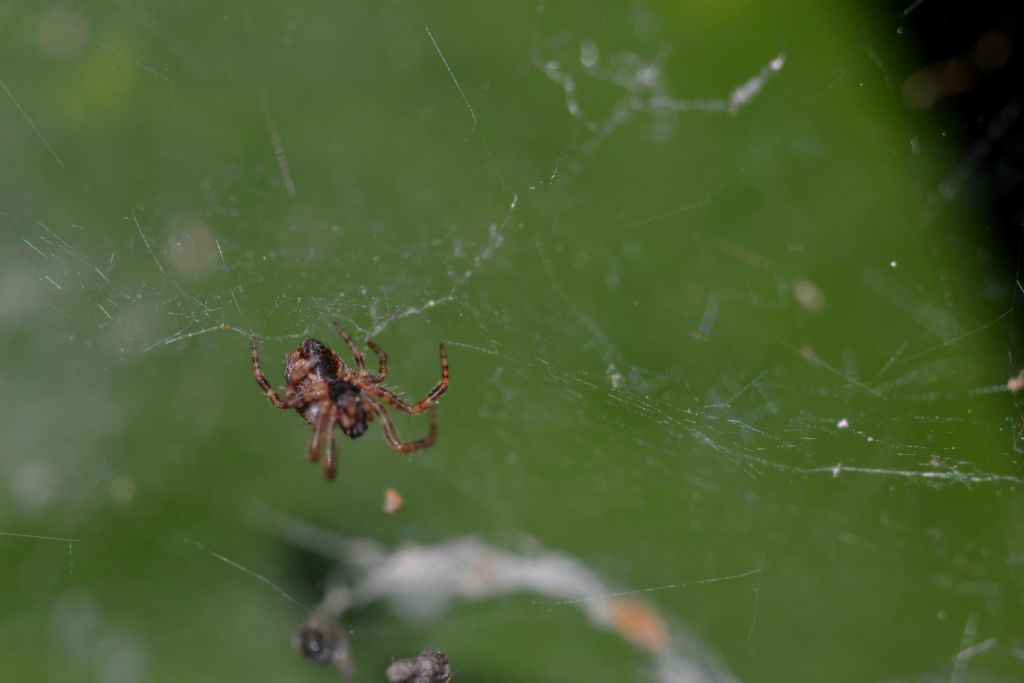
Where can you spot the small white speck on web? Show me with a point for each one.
(588, 54)
(648, 75)
(615, 377)
(746, 92)
(893, 264)
(843, 424)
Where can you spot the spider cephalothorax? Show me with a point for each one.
(328, 394)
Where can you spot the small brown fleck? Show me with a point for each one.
(393, 501)
(640, 624)
(1015, 384)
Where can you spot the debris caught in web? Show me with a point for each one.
(429, 666)
(421, 582)
(324, 643)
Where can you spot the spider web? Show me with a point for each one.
(715, 344)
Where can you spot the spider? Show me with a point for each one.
(327, 393)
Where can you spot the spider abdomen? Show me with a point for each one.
(352, 416)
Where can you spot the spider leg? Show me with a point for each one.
(356, 353)
(391, 433)
(329, 467)
(383, 357)
(293, 397)
(261, 379)
(431, 398)
(324, 421)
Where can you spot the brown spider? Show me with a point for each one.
(321, 388)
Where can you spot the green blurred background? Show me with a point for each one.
(652, 354)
